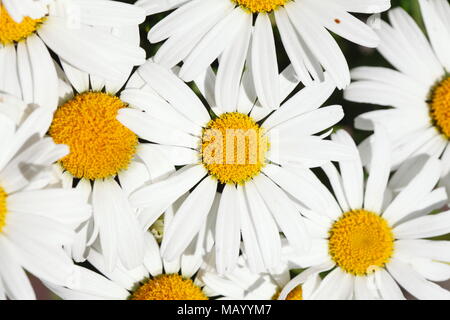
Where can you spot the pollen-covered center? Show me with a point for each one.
(3, 208)
(360, 242)
(260, 5)
(100, 146)
(234, 148)
(168, 287)
(440, 106)
(295, 294)
(12, 31)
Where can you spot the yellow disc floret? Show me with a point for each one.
(234, 148)
(260, 5)
(168, 287)
(11, 31)
(3, 208)
(440, 106)
(360, 242)
(295, 294)
(100, 146)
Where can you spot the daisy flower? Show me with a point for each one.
(35, 221)
(100, 37)
(240, 32)
(372, 241)
(243, 284)
(244, 151)
(418, 91)
(106, 161)
(154, 279)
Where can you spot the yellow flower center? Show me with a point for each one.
(100, 146)
(168, 287)
(295, 294)
(440, 106)
(3, 208)
(11, 31)
(360, 242)
(234, 148)
(260, 5)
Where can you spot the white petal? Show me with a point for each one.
(188, 219)
(301, 61)
(413, 194)
(429, 249)
(266, 229)
(389, 289)
(231, 65)
(337, 285)
(159, 109)
(302, 278)
(306, 188)
(110, 14)
(17, 285)
(424, 227)
(160, 195)
(379, 172)
(349, 27)
(178, 94)
(121, 236)
(249, 237)
(152, 256)
(210, 46)
(320, 42)
(416, 284)
(351, 172)
(151, 129)
(157, 164)
(264, 63)
(435, 15)
(284, 212)
(228, 233)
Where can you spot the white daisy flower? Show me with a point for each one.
(374, 241)
(106, 161)
(269, 148)
(154, 279)
(419, 91)
(240, 31)
(243, 284)
(100, 37)
(35, 222)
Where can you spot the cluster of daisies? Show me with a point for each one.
(205, 171)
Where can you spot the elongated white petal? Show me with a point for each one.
(17, 285)
(411, 195)
(228, 231)
(387, 286)
(284, 212)
(160, 195)
(414, 283)
(379, 172)
(264, 63)
(231, 65)
(424, 227)
(337, 285)
(121, 235)
(188, 219)
(178, 94)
